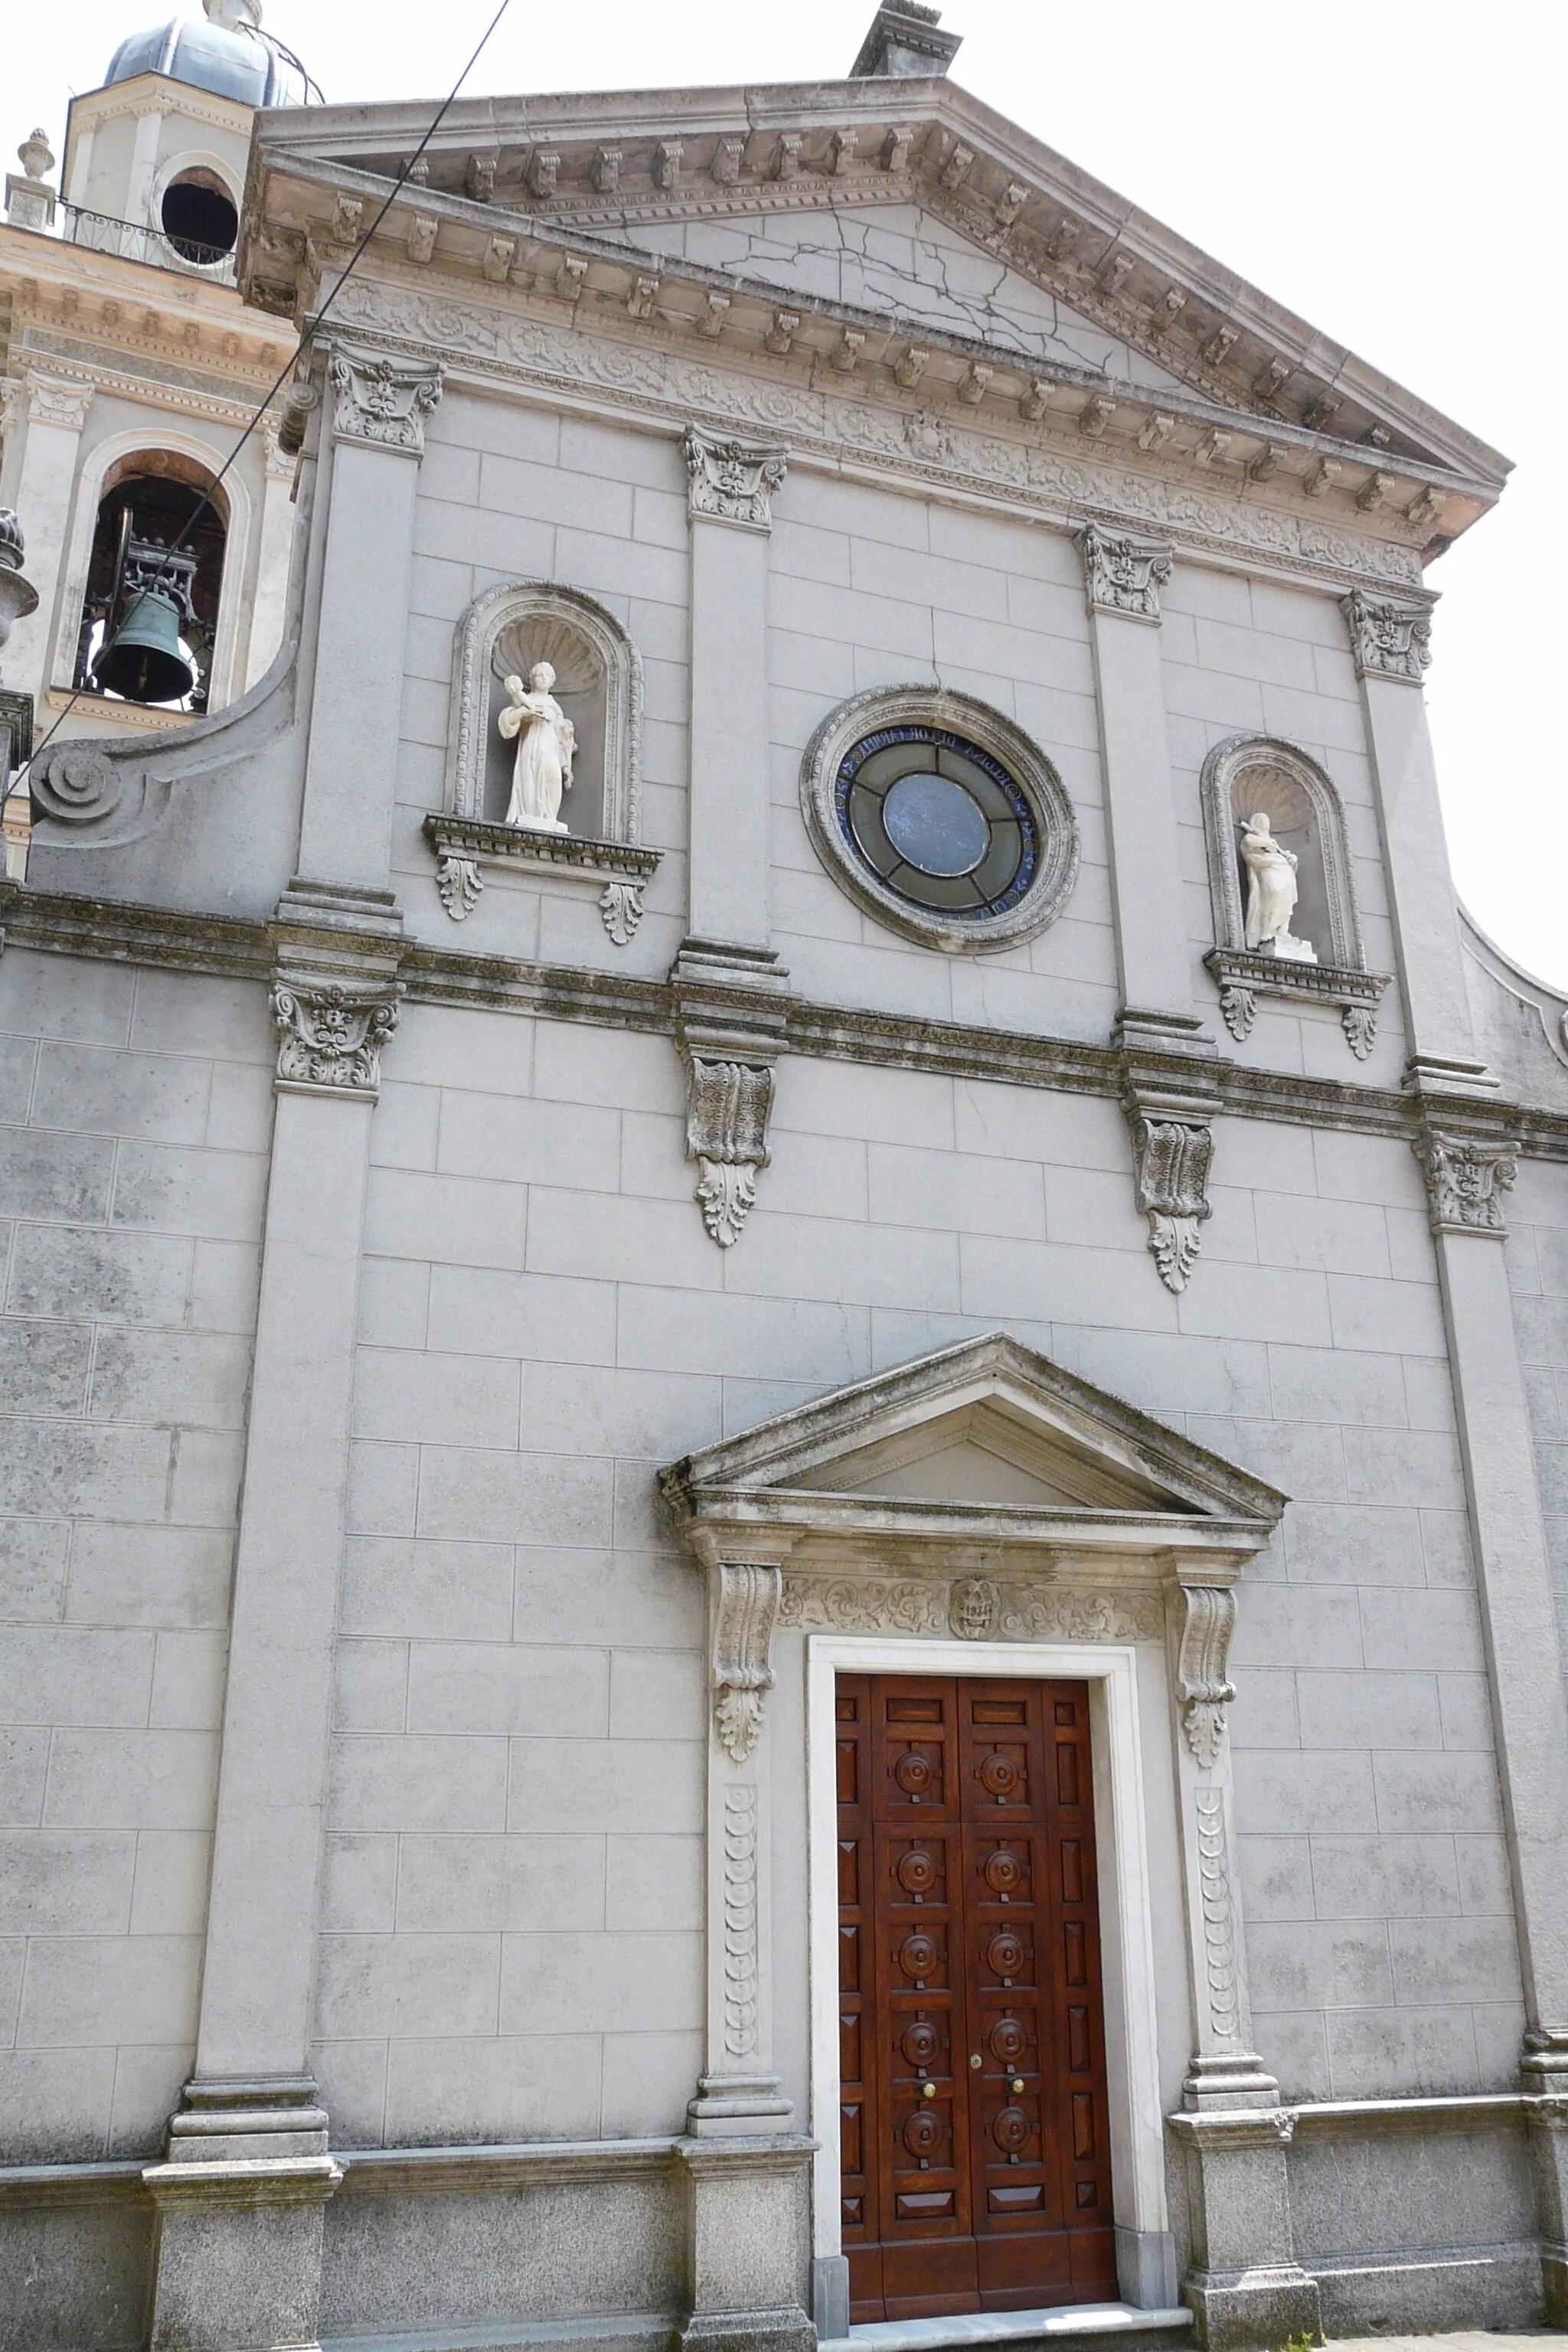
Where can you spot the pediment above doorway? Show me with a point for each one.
(986, 1452)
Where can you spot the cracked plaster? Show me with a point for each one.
(902, 261)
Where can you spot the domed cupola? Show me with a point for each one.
(227, 55)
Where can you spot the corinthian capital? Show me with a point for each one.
(1466, 1183)
(1124, 575)
(1388, 638)
(331, 1035)
(732, 481)
(383, 402)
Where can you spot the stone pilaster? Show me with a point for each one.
(731, 489)
(45, 415)
(241, 2197)
(370, 461)
(1389, 641)
(1468, 1160)
(1245, 2286)
(739, 2093)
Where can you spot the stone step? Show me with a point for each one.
(1064, 2327)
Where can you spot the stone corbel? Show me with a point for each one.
(1170, 1162)
(383, 402)
(731, 1011)
(1467, 1181)
(746, 1612)
(729, 481)
(1124, 575)
(1389, 639)
(1202, 1684)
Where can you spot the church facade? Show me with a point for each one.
(787, 1466)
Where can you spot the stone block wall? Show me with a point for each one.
(1538, 1277)
(134, 1118)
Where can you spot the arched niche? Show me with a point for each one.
(598, 684)
(1250, 775)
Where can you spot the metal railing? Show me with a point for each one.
(134, 241)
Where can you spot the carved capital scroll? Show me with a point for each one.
(745, 1612)
(383, 403)
(1171, 1165)
(331, 1035)
(1203, 1683)
(1466, 1183)
(1388, 638)
(1124, 575)
(731, 481)
(728, 1104)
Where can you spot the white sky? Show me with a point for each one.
(1390, 169)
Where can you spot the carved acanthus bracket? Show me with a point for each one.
(1388, 638)
(383, 402)
(1171, 1160)
(331, 1033)
(1124, 575)
(746, 1608)
(732, 481)
(464, 844)
(1465, 1183)
(728, 1104)
(1203, 1683)
(730, 1014)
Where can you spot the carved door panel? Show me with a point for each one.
(975, 2129)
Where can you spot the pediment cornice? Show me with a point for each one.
(567, 170)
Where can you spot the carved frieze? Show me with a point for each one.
(746, 1608)
(1388, 638)
(648, 379)
(1122, 575)
(331, 1035)
(974, 1608)
(728, 1104)
(1203, 1683)
(1171, 1160)
(1467, 1183)
(383, 402)
(731, 481)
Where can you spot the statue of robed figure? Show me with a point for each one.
(1271, 892)
(546, 740)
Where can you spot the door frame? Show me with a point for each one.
(1126, 1922)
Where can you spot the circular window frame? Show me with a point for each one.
(953, 713)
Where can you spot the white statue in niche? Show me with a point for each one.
(1271, 892)
(546, 743)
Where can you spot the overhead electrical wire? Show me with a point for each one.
(167, 553)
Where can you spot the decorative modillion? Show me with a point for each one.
(746, 1608)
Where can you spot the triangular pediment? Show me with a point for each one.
(815, 186)
(988, 1441)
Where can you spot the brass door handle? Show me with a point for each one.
(974, 2058)
(928, 2090)
(1018, 2082)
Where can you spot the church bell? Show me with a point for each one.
(142, 660)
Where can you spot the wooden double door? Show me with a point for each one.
(975, 2133)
